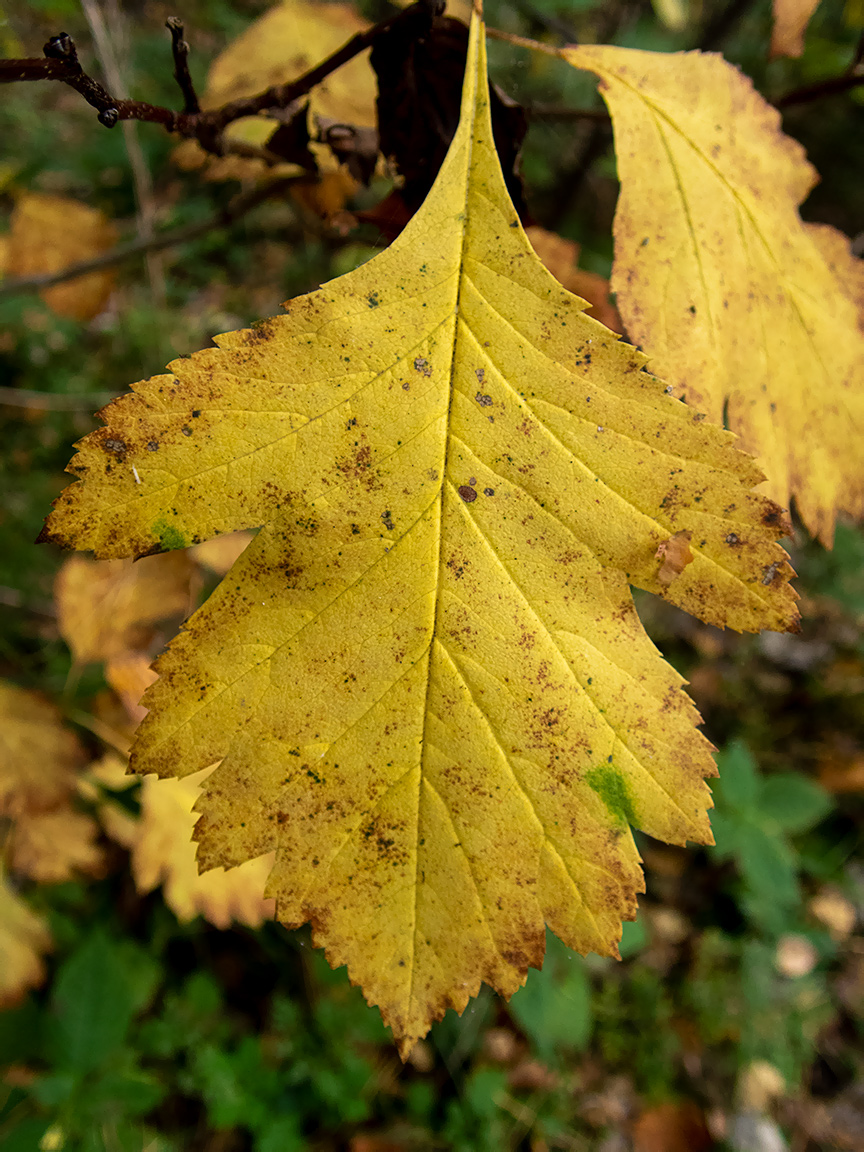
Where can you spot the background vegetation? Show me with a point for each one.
(735, 1018)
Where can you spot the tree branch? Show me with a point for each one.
(207, 127)
(180, 50)
(235, 208)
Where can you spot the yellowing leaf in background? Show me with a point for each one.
(39, 757)
(425, 678)
(48, 234)
(791, 18)
(50, 847)
(23, 939)
(106, 609)
(220, 553)
(280, 46)
(721, 283)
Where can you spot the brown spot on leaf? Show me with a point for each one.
(674, 555)
(468, 494)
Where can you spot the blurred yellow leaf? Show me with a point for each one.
(39, 757)
(280, 46)
(719, 280)
(107, 608)
(791, 18)
(50, 847)
(220, 553)
(130, 674)
(425, 678)
(23, 939)
(48, 234)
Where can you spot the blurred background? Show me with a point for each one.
(144, 1008)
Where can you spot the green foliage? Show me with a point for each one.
(754, 818)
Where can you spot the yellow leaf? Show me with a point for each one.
(39, 758)
(836, 249)
(163, 853)
(130, 675)
(561, 256)
(48, 234)
(106, 609)
(721, 283)
(425, 678)
(791, 18)
(23, 938)
(283, 44)
(50, 847)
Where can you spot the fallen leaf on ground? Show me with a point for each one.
(561, 258)
(835, 911)
(425, 678)
(23, 939)
(791, 18)
(50, 847)
(39, 757)
(674, 1126)
(107, 608)
(720, 281)
(48, 234)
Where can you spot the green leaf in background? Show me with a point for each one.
(93, 1003)
(553, 1009)
(738, 786)
(793, 802)
(768, 866)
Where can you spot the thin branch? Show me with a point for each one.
(563, 112)
(141, 177)
(235, 208)
(810, 92)
(180, 50)
(206, 127)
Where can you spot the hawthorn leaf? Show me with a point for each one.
(39, 757)
(48, 234)
(720, 281)
(160, 840)
(23, 939)
(163, 853)
(50, 847)
(424, 678)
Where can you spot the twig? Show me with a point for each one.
(180, 49)
(141, 177)
(235, 208)
(53, 401)
(851, 78)
(207, 127)
(810, 92)
(562, 112)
